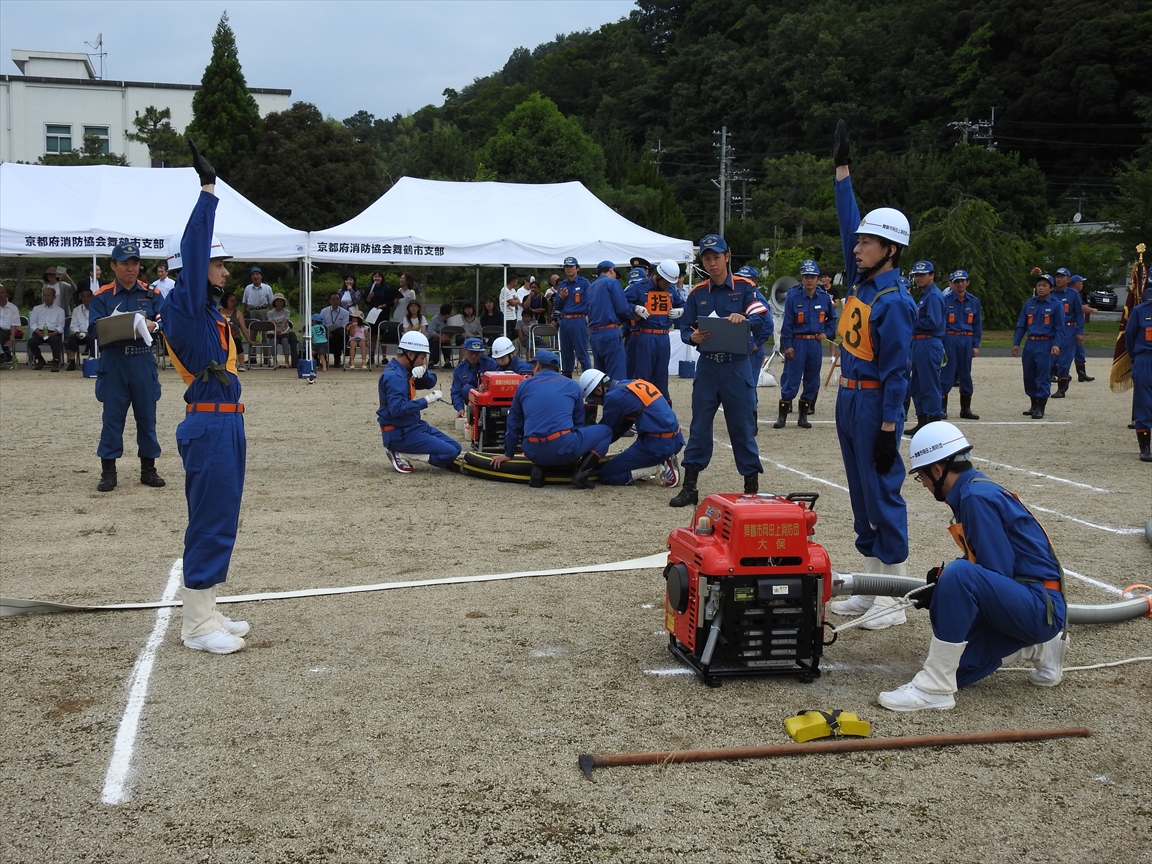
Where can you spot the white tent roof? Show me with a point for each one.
(438, 223)
(77, 211)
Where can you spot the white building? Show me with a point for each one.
(57, 101)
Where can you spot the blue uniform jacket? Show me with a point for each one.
(734, 294)
(1073, 309)
(622, 408)
(761, 336)
(1003, 536)
(891, 318)
(399, 405)
(607, 303)
(114, 297)
(466, 376)
(1138, 330)
(964, 316)
(544, 404)
(576, 303)
(197, 334)
(1043, 318)
(517, 365)
(930, 313)
(807, 316)
(657, 301)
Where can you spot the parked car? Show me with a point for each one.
(1103, 299)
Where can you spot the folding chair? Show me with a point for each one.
(543, 336)
(388, 334)
(20, 344)
(452, 332)
(263, 344)
(491, 334)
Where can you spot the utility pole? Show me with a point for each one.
(981, 131)
(657, 151)
(723, 184)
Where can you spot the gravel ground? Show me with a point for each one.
(443, 723)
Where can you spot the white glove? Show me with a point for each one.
(675, 313)
(641, 312)
(433, 396)
(419, 371)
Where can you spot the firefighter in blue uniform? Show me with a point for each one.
(570, 304)
(760, 338)
(656, 302)
(640, 403)
(722, 379)
(1002, 601)
(927, 347)
(1076, 283)
(1041, 322)
(211, 437)
(504, 353)
(963, 330)
(547, 418)
(1138, 344)
(401, 428)
(608, 310)
(876, 334)
(1072, 336)
(127, 370)
(809, 319)
(638, 280)
(466, 375)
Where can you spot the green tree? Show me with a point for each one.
(166, 146)
(225, 118)
(1096, 257)
(309, 173)
(93, 153)
(647, 199)
(535, 143)
(1132, 208)
(796, 194)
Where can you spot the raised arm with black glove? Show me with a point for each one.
(207, 172)
(840, 146)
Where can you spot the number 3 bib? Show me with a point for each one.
(854, 329)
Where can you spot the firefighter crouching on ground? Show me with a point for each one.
(504, 353)
(401, 427)
(466, 375)
(1000, 603)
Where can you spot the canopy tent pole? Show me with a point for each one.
(306, 301)
(477, 291)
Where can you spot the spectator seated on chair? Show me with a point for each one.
(440, 343)
(468, 320)
(357, 338)
(466, 376)
(78, 336)
(285, 335)
(10, 329)
(46, 325)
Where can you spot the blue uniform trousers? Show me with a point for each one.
(213, 448)
(994, 614)
(1038, 368)
(806, 365)
(958, 370)
(574, 344)
(1142, 391)
(630, 348)
(569, 448)
(653, 354)
(924, 385)
(879, 514)
(1062, 365)
(644, 452)
(1081, 357)
(423, 438)
(123, 380)
(608, 353)
(724, 384)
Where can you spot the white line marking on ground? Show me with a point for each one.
(1111, 589)
(1039, 474)
(783, 467)
(115, 780)
(1089, 524)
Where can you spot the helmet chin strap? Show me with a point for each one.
(215, 292)
(869, 272)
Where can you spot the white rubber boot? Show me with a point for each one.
(1049, 661)
(200, 629)
(857, 604)
(882, 621)
(932, 687)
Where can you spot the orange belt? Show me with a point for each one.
(604, 327)
(215, 407)
(806, 335)
(574, 316)
(862, 384)
(658, 332)
(387, 428)
(923, 336)
(1051, 584)
(537, 440)
(1040, 338)
(661, 434)
(959, 332)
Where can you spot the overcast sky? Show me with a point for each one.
(381, 56)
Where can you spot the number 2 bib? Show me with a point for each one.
(643, 391)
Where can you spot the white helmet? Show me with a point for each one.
(887, 223)
(590, 379)
(935, 442)
(669, 269)
(502, 347)
(217, 250)
(415, 342)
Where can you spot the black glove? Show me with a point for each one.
(924, 599)
(840, 145)
(207, 172)
(886, 451)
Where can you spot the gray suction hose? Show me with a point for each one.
(897, 586)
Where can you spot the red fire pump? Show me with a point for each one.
(488, 410)
(747, 588)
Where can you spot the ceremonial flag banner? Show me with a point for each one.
(1120, 379)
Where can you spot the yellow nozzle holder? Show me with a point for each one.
(810, 725)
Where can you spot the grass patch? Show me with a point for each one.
(1097, 334)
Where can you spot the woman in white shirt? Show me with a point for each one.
(413, 321)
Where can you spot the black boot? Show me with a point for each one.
(785, 410)
(1031, 410)
(965, 408)
(536, 479)
(1145, 439)
(922, 420)
(688, 494)
(812, 405)
(751, 484)
(1082, 373)
(589, 464)
(590, 412)
(802, 421)
(1061, 388)
(1038, 414)
(107, 475)
(944, 405)
(907, 405)
(148, 475)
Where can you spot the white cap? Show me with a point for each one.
(887, 223)
(669, 269)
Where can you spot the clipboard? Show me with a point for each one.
(724, 337)
(373, 315)
(117, 327)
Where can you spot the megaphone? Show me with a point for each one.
(779, 294)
